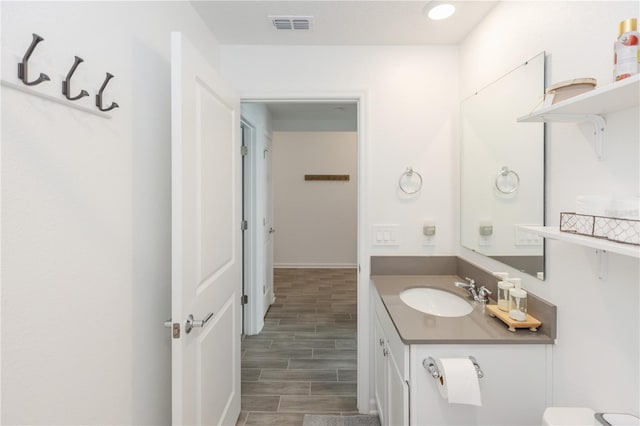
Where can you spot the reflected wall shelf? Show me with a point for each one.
(591, 106)
(554, 233)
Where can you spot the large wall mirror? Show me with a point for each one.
(502, 170)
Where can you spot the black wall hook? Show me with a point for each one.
(22, 66)
(99, 95)
(66, 84)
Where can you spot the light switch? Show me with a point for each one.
(385, 235)
(523, 238)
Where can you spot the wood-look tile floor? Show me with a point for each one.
(304, 360)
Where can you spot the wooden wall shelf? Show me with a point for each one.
(327, 177)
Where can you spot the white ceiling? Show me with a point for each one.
(313, 116)
(342, 111)
(344, 22)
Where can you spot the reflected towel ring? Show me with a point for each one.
(504, 172)
(405, 178)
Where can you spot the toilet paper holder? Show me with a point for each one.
(430, 365)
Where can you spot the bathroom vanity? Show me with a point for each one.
(516, 367)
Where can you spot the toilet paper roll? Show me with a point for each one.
(459, 383)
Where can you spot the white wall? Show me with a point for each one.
(86, 216)
(411, 108)
(314, 125)
(596, 358)
(316, 221)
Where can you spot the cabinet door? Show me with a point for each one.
(397, 394)
(380, 365)
(515, 388)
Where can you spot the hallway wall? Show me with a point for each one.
(316, 221)
(86, 231)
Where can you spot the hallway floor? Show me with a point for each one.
(304, 361)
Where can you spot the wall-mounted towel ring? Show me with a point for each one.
(66, 84)
(99, 95)
(23, 68)
(406, 179)
(501, 180)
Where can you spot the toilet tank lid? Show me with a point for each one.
(618, 419)
(567, 416)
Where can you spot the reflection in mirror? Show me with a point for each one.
(502, 170)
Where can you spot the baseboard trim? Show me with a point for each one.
(315, 265)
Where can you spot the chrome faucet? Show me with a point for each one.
(470, 287)
(479, 294)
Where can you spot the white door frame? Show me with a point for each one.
(366, 404)
(252, 321)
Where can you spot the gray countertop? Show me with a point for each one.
(415, 327)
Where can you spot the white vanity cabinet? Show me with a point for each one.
(391, 366)
(515, 388)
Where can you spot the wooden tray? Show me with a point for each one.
(531, 323)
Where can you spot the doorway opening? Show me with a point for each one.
(301, 258)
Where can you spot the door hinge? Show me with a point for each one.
(244, 225)
(244, 299)
(244, 150)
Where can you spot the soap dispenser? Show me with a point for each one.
(504, 285)
(503, 295)
(517, 301)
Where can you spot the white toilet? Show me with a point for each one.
(579, 416)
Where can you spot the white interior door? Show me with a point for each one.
(268, 227)
(206, 241)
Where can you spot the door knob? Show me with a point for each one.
(191, 323)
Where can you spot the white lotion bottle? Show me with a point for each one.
(517, 301)
(503, 290)
(503, 295)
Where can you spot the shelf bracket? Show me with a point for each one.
(603, 265)
(599, 126)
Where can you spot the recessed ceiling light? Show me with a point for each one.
(438, 10)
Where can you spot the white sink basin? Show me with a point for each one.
(436, 302)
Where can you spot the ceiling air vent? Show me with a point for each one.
(291, 22)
